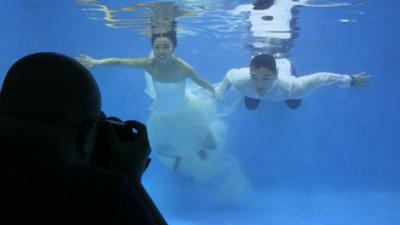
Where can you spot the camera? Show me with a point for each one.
(108, 141)
(123, 131)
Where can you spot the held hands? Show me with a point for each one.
(213, 92)
(360, 80)
(87, 61)
(216, 93)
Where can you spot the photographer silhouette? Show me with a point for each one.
(62, 161)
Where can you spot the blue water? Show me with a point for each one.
(333, 161)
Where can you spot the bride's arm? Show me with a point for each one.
(202, 82)
(199, 80)
(90, 62)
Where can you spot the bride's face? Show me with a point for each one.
(163, 49)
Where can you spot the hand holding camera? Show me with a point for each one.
(122, 146)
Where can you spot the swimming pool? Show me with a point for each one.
(334, 160)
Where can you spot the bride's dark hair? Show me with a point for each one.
(171, 35)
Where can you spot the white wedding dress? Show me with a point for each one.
(188, 137)
(181, 125)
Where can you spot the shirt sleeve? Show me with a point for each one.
(304, 85)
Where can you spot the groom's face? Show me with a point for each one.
(262, 78)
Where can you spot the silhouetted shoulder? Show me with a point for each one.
(70, 195)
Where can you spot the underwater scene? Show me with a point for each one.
(259, 112)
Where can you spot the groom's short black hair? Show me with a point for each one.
(264, 60)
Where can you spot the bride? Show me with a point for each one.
(183, 125)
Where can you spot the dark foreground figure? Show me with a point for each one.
(61, 161)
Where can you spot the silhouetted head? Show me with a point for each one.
(48, 105)
(263, 4)
(263, 73)
(50, 88)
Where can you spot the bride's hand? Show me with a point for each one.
(87, 61)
